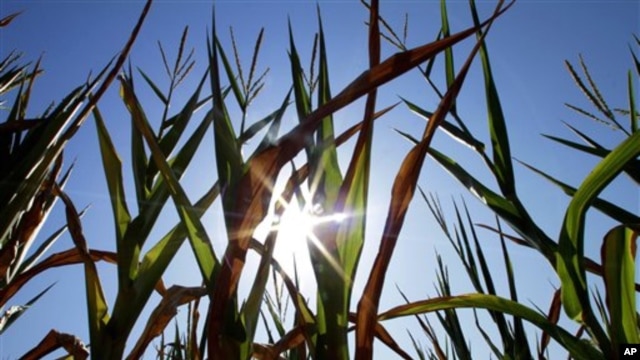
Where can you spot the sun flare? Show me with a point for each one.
(296, 227)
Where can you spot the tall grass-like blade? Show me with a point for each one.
(227, 151)
(139, 165)
(632, 169)
(156, 260)
(570, 266)
(450, 320)
(302, 98)
(275, 317)
(154, 87)
(98, 312)
(8, 215)
(498, 318)
(456, 133)
(618, 254)
(576, 347)
(449, 67)
(198, 237)
(37, 154)
(342, 240)
(402, 193)
(226, 333)
(635, 61)
(503, 169)
(237, 92)
(276, 119)
(14, 312)
(160, 193)
(304, 316)
(633, 115)
(610, 209)
(112, 166)
(519, 346)
(325, 173)
(251, 309)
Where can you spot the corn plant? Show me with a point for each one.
(245, 187)
(613, 321)
(31, 153)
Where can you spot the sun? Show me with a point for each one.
(296, 227)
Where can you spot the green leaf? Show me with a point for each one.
(112, 166)
(237, 92)
(570, 265)
(633, 115)
(503, 169)
(227, 149)
(302, 99)
(97, 308)
(576, 347)
(632, 169)
(448, 52)
(251, 309)
(610, 209)
(179, 123)
(154, 87)
(275, 119)
(618, 261)
(157, 259)
(456, 133)
(199, 240)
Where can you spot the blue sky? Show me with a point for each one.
(527, 47)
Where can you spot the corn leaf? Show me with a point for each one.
(612, 210)
(156, 260)
(456, 133)
(570, 267)
(633, 115)
(503, 169)
(98, 312)
(112, 166)
(576, 347)
(154, 87)
(618, 260)
(200, 243)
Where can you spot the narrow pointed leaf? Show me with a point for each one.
(618, 261)
(570, 266)
(503, 169)
(199, 240)
(154, 87)
(576, 347)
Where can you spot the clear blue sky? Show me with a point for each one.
(527, 47)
